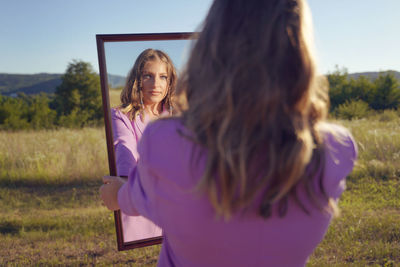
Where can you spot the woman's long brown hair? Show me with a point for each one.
(132, 92)
(251, 96)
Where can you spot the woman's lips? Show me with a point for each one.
(155, 92)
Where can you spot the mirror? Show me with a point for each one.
(116, 54)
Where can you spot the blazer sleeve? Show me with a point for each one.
(137, 195)
(341, 155)
(125, 144)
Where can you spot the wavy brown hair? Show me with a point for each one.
(252, 98)
(132, 94)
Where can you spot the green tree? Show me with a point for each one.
(78, 98)
(339, 87)
(26, 112)
(380, 94)
(387, 92)
(13, 113)
(40, 116)
(361, 89)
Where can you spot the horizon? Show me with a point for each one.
(120, 75)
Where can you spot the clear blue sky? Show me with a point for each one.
(45, 35)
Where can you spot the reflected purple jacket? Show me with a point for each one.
(161, 188)
(126, 137)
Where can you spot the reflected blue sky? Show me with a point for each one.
(120, 56)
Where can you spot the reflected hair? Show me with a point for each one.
(252, 98)
(132, 94)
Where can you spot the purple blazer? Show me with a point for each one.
(126, 135)
(161, 188)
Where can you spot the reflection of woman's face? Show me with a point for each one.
(154, 82)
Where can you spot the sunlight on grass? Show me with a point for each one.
(114, 98)
(51, 213)
(52, 155)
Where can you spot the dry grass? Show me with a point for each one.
(50, 210)
(114, 95)
(51, 213)
(52, 155)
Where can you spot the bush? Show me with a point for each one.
(388, 115)
(354, 109)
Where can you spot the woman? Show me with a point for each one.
(250, 174)
(146, 96)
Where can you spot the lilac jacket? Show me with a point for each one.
(161, 188)
(126, 137)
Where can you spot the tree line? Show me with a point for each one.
(356, 98)
(76, 103)
(77, 100)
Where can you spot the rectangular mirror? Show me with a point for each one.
(117, 54)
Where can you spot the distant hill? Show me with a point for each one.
(12, 84)
(374, 75)
(116, 80)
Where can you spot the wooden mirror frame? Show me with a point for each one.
(101, 39)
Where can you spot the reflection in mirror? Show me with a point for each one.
(144, 73)
(120, 57)
(145, 96)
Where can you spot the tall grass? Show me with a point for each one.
(52, 155)
(367, 232)
(379, 148)
(50, 212)
(114, 95)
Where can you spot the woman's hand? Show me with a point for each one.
(109, 191)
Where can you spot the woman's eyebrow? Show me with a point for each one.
(148, 71)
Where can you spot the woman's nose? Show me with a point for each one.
(157, 80)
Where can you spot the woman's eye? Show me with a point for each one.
(146, 76)
(164, 77)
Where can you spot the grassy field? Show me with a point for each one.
(368, 230)
(114, 96)
(50, 212)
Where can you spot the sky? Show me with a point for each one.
(46, 35)
(120, 56)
